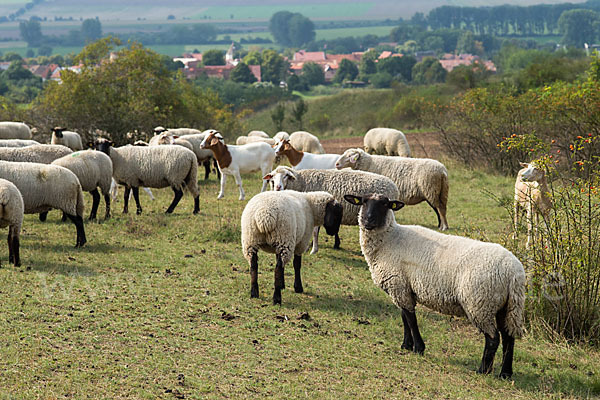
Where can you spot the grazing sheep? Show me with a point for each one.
(45, 187)
(235, 160)
(242, 140)
(14, 130)
(17, 142)
(338, 183)
(261, 134)
(307, 142)
(282, 223)
(387, 142)
(67, 138)
(11, 215)
(532, 195)
(449, 274)
(153, 166)
(279, 136)
(304, 160)
(38, 153)
(418, 179)
(94, 170)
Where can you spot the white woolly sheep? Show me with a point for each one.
(94, 170)
(450, 274)
(532, 195)
(67, 138)
(307, 142)
(279, 136)
(338, 183)
(38, 153)
(242, 140)
(282, 223)
(17, 142)
(14, 130)
(304, 160)
(153, 166)
(45, 187)
(11, 215)
(418, 179)
(387, 142)
(235, 160)
(261, 134)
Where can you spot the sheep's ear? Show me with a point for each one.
(214, 141)
(523, 164)
(354, 158)
(268, 177)
(357, 201)
(395, 205)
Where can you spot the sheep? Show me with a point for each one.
(387, 142)
(14, 130)
(93, 169)
(17, 142)
(418, 179)
(532, 195)
(303, 160)
(39, 153)
(338, 183)
(153, 166)
(279, 136)
(242, 140)
(450, 274)
(282, 223)
(44, 187)
(67, 138)
(307, 142)
(234, 160)
(11, 215)
(261, 134)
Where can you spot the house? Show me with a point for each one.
(451, 61)
(329, 62)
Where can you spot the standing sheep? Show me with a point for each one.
(67, 138)
(418, 179)
(17, 142)
(11, 215)
(38, 153)
(338, 183)
(387, 142)
(155, 167)
(14, 130)
(45, 187)
(307, 142)
(282, 223)
(261, 134)
(532, 195)
(449, 274)
(279, 136)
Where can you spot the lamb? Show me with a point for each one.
(261, 134)
(14, 130)
(93, 169)
(44, 187)
(282, 223)
(235, 160)
(39, 153)
(449, 274)
(418, 179)
(307, 142)
(242, 140)
(532, 195)
(387, 142)
(17, 142)
(338, 183)
(153, 166)
(303, 160)
(11, 215)
(67, 138)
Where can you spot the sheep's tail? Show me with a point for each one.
(515, 305)
(80, 207)
(266, 219)
(191, 180)
(444, 192)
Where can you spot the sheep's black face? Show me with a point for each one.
(103, 146)
(58, 133)
(374, 209)
(333, 217)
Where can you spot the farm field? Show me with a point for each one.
(158, 305)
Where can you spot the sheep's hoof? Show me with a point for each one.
(242, 198)
(314, 251)
(419, 350)
(298, 289)
(407, 346)
(138, 211)
(254, 293)
(219, 197)
(276, 298)
(505, 375)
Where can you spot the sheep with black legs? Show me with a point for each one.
(450, 274)
(387, 142)
(418, 179)
(11, 215)
(67, 138)
(338, 183)
(282, 223)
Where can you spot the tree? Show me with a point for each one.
(278, 26)
(399, 68)
(467, 76)
(273, 67)
(253, 58)
(300, 108)
(91, 29)
(346, 72)
(291, 29)
(404, 32)
(579, 27)
(45, 50)
(381, 80)
(466, 44)
(213, 57)
(428, 71)
(295, 83)
(241, 73)
(31, 32)
(278, 116)
(313, 74)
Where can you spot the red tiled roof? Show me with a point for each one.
(309, 56)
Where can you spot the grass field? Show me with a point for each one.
(158, 306)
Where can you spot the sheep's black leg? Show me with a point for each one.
(437, 213)
(297, 278)
(15, 252)
(107, 202)
(78, 221)
(43, 216)
(206, 164)
(254, 276)
(136, 197)
(178, 196)
(336, 245)
(95, 203)
(411, 319)
(279, 280)
(508, 345)
(64, 217)
(489, 351)
(216, 165)
(408, 342)
(11, 256)
(196, 204)
(126, 200)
